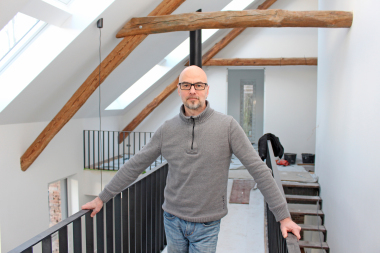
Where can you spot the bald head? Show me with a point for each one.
(193, 74)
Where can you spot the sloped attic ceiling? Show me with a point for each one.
(42, 99)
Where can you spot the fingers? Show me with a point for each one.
(284, 232)
(296, 231)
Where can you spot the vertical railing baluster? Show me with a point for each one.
(117, 214)
(93, 149)
(77, 235)
(162, 186)
(123, 147)
(103, 152)
(129, 145)
(158, 219)
(109, 225)
(154, 210)
(46, 245)
(166, 170)
(132, 218)
(138, 224)
(113, 150)
(84, 149)
(108, 148)
(118, 152)
(139, 142)
(89, 233)
(100, 231)
(98, 149)
(149, 213)
(125, 217)
(89, 149)
(143, 216)
(62, 235)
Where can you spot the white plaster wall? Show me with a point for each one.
(23, 196)
(348, 126)
(290, 91)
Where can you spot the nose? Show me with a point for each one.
(192, 89)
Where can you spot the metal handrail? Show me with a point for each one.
(276, 242)
(133, 221)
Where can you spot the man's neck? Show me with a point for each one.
(194, 113)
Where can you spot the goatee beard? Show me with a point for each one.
(193, 106)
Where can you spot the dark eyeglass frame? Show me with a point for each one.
(192, 84)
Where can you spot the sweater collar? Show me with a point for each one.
(199, 118)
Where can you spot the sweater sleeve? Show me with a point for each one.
(130, 170)
(244, 151)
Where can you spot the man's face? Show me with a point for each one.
(193, 99)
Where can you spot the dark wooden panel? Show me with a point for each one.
(240, 191)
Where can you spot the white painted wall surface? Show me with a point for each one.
(24, 195)
(290, 91)
(348, 126)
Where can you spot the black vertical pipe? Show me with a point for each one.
(196, 47)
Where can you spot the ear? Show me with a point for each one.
(208, 89)
(178, 90)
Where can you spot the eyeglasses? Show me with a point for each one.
(197, 86)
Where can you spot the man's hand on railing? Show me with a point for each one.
(287, 225)
(95, 205)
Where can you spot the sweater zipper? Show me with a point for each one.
(192, 141)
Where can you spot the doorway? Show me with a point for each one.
(246, 101)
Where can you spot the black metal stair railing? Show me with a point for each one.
(102, 151)
(130, 222)
(276, 242)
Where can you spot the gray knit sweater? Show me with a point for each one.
(198, 150)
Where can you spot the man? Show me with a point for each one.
(198, 144)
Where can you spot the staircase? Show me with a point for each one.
(305, 194)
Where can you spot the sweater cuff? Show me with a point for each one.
(105, 195)
(281, 212)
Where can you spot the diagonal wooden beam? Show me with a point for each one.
(117, 56)
(173, 86)
(262, 61)
(236, 19)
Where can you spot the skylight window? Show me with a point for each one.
(16, 34)
(170, 61)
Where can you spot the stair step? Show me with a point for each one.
(306, 227)
(297, 211)
(299, 185)
(302, 198)
(313, 245)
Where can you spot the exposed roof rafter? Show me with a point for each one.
(117, 56)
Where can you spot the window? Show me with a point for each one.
(15, 35)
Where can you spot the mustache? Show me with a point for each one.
(192, 97)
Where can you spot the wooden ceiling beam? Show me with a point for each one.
(117, 56)
(263, 62)
(173, 86)
(236, 19)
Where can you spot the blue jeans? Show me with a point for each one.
(193, 237)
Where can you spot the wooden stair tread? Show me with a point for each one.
(298, 211)
(302, 197)
(298, 184)
(313, 245)
(307, 227)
